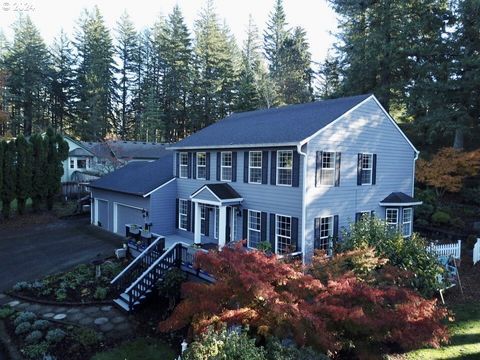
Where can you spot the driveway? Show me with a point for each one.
(38, 250)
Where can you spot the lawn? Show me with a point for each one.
(139, 349)
(465, 337)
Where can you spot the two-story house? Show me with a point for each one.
(291, 176)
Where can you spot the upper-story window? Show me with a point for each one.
(391, 218)
(407, 222)
(183, 159)
(72, 164)
(328, 169)
(226, 166)
(201, 165)
(81, 164)
(284, 167)
(367, 169)
(255, 167)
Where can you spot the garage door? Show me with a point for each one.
(127, 215)
(102, 213)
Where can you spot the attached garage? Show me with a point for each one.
(126, 214)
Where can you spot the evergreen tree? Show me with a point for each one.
(56, 151)
(39, 171)
(9, 177)
(2, 153)
(329, 78)
(274, 37)
(23, 172)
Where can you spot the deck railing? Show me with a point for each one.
(476, 252)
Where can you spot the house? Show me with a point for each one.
(291, 177)
(79, 166)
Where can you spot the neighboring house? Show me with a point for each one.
(79, 166)
(292, 176)
(138, 193)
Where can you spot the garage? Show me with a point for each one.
(126, 214)
(101, 213)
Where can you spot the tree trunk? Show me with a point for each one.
(459, 137)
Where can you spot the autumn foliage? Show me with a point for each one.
(333, 315)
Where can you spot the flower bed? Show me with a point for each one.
(78, 285)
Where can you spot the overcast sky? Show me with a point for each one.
(50, 16)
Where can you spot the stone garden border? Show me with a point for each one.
(57, 303)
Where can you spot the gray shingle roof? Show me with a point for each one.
(138, 177)
(399, 198)
(284, 125)
(126, 149)
(80, 152)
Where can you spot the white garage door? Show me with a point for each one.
(126, 215)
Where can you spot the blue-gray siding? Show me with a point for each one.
(162, 209)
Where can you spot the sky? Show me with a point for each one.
(50, 16)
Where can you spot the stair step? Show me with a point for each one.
(122, 304)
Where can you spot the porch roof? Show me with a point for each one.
(221, 192)
(399, 199)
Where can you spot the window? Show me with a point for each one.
(182, 214)
(226, 166)
(201, 165)
(328, 169)
(81, 163)
(255, 167)
(363, 215)
(283, 234)
(407, 222)
(203, 217)
(367, 166)
(284, 167)
(183, 159)
(72, 164)
(254, 228)
(217, 220)
(391, 218)
(325, 233)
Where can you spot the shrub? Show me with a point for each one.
(86, 337)
(6, 312)
(41, 325)
(61, 294)
(265, 246)
(471, 195)
(441, 217)
(36, 351)
(100, 293)
(276, 351)
(55, 335)
(22, 285)
(23, 328)
(171, 285)
(34, 337)
(24, 316)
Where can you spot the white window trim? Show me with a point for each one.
(332, 168)
(202, 219)
(226, 167)
(249, 228)
(371, 170)
(276, 231)
(72, 163)
(255, 167)
(180, 214)
(386, 218)
(180, 165)
(201, 166)
(216, 229)
(284, 168)
(408, 222)
(330, 231)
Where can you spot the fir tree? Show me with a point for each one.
(39, 171)
(8, 193)
(23, 172)
(274, 37)
(56, 151)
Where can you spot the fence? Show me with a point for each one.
(476, 252)
(453, 249)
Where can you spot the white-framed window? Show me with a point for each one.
(203, 217)
(183, 161)
(226, 166)
(283, 234)
(325, 233)
(81, 163)
(328, 168)
(72, 164)
(255, 167)
(367, 169)
(407, 222)
(391, 218)
(201, 165)
(254, 225)
(182, 214)
(284, 167)
(217, 222)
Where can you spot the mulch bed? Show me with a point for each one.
(470, 279)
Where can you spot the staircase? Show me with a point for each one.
(139, 278)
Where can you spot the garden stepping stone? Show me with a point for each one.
(91, 310)
(86, 321)
(76, 317)
(33, 307)
(106, 327)
(61, 309)
(106, 308)
(118, 319)
(101, 321)
(23, 305)
(49, 315)
(13, 303)
(73, 311)
(59, 317)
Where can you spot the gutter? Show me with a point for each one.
(304, 192)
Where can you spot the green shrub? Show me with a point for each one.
(34, 337)
(61, 294)
(36, 351)
(277, 351)
(24, 316)
(171, 285)
(55, 335)
(6, 312)
(23, 328)
(441, 218)
(265, 246)
(86, 337)
(100, 293)
(41, 325)
(471, 195)
(22, 285)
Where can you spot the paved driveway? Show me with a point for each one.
(35, 251)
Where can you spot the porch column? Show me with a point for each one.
(198, 224)
(222, 226)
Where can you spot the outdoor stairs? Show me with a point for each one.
(138, 280)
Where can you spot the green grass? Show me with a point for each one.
(139, 349)
(465, 337)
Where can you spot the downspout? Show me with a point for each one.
(415, 158)
(304, 191)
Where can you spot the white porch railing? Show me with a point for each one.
(453, 249)
(476, 252)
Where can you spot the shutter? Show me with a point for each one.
(296, 169)
(194, 165)
(358, 216)
(372, 213)
(245, 225)
(263, 226)
(189, 214)
(273, 168)
(335, 227)
(264, 167)
(219, 159)
(318, 169)
(192, 221)
(207, 162)
(177, 205)
(177, 164)
(189, 167)
(295, 234)
(374, 169)
(234, 166)
(359, 169)
(207, 222)
(338, 159)
(245, 167)
(316, 233)
(272, 232)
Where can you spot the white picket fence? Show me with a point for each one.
(476, 252)
(453, 249)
